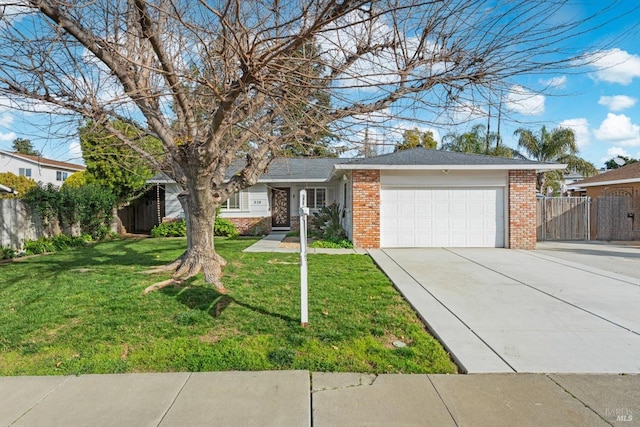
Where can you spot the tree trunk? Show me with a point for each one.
(541, 182)
(199, 205)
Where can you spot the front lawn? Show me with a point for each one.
(82, 311)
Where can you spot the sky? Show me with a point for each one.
(599, 101)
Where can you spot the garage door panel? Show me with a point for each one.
(454, 217)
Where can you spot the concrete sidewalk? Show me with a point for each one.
(300, 398)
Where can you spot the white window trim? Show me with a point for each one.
(315, 205)
(225, 206)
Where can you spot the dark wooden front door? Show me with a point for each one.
(280, 216)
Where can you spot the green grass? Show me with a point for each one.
(83, 311)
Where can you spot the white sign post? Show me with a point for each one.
(304, 298)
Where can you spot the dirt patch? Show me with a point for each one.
(293, 242)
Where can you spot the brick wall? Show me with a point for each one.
(522, 209)
(252, 226)
(366, 209)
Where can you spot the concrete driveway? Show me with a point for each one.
(564, 308)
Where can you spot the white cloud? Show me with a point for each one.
(6, 120)
(557, 82)
(12, 12)
(617, 102)
(580, 127)
(75, 152)
(375, 117)
(524, 101)
(466, 112)
(614, 152)
(618, 129)
(5, 137)
(614, 66)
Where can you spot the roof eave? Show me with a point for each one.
(612, 182)
(294, 180)
(539, 167)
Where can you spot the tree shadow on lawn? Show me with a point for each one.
(97, 256)
(214, 303)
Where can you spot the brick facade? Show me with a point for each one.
(252, 226)
(522, 209)
(366, 209)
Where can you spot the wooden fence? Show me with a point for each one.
(563, 218)
(616, 217)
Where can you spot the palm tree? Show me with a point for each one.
(559, 146)
(478, 141)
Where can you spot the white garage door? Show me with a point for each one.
(442, 217)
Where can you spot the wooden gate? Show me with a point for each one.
(614, 217)
(562, 218)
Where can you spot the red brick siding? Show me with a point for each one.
(252, 226)
(522, 209)
(366, 209)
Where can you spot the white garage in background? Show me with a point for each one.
(454, 208)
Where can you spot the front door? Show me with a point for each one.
(280, 216)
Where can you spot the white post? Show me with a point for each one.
(304, 298)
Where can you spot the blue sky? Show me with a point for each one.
(600, 101)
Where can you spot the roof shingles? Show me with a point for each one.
(627, 172)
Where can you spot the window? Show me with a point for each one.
(24, 172)
(61, 176)
(233, 202)
(316, 197)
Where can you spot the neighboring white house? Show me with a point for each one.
(39, 169)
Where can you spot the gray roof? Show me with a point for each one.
(321, 169)
(424, 157)
(282, 169)
(288, 169)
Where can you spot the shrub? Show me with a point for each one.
(7, 253)
(339, 244)
(53, 244)
(328, 227)
(44, 201)
(21, 184)
(170, 229)
(90, 205)
(224, 227)
(221, 227)
(76, 180)
(40, 246)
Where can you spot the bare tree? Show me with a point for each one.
(224, 80)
